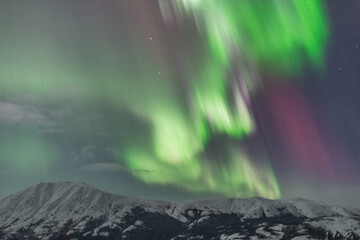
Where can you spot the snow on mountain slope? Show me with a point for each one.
(55, 210)
(50, 205)
(260, 207)
(61, 201)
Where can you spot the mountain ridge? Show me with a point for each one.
(80, 211)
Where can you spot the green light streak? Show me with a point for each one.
(237, 36)
(269, 32)
(237, 177)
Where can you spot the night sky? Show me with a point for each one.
(183, 99)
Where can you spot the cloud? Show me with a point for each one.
(61, 113)
(86, 153)
(12, 113)
(51, 131)
(103, 168)
(111, 168)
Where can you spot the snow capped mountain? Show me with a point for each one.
(259, 207)
(78, 211)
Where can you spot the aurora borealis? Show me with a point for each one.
(187, 98)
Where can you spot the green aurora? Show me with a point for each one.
(238, 38)
(233, 29)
